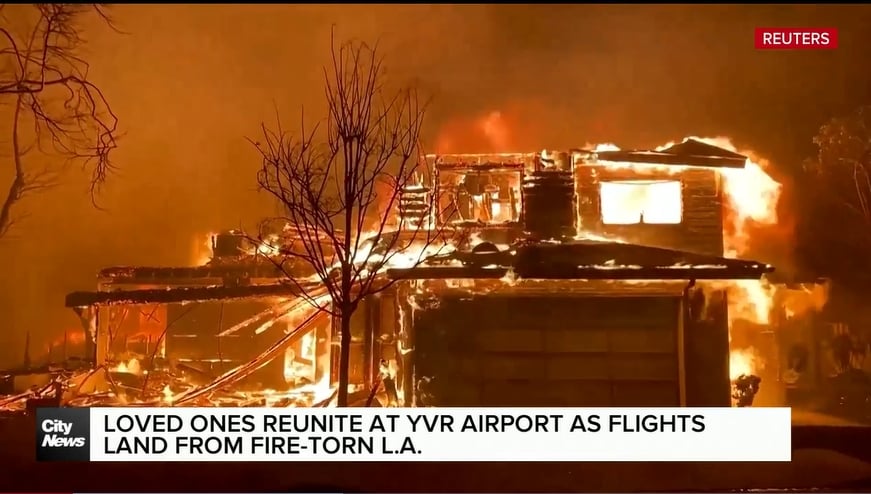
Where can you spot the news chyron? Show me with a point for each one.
(62, 434)
(229, 434)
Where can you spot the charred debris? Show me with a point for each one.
(570, 279)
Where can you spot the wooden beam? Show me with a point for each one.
(178, 295)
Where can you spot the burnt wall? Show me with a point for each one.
(134, 330)
(385, 329)
(706, 347)
(192, 338)
(701, 229)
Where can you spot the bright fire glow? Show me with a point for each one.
(749, 300)
(752, 198)
(751, 195)
(168, 395)
(296, 358)
(202, 249)
(632, 202)
(132, 366)
(744, 362)
(269, 246)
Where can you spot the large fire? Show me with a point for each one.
(751, 195)
(743, 361)
(751, 198)
(201, 250)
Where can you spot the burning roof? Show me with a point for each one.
(690, 152)
(180, 294)
(244, 267)
(693, 147)
(580, 260)
(609, 260)
(479, 161)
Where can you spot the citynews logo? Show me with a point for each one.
(62, 434)
(796, 38)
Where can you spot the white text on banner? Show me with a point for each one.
(440, 434)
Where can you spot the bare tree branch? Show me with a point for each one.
(838, 187)
(339, 185)
(842, 167)
(57, 110)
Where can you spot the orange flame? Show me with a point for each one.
(201, 250)
(509, 128)
(752, 197)
(751, 201)
(745, 361)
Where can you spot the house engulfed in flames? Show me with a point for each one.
(583, 278)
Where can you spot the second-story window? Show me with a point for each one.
(631, 202)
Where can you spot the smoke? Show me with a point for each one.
(190, 82)
(516, 126)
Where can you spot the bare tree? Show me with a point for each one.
(338, 183)
(843, 162)
(834, 217)
(56, 110)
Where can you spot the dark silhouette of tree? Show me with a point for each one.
(339, 183)
(58, 116)
(836, 221)
(849, 348)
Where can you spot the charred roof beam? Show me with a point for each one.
(629, 273)
(181, 295)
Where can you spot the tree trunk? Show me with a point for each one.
(344, 358)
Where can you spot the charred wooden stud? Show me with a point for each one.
(548, 205)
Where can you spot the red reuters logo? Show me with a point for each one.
(796, 38)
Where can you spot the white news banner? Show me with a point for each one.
(440, 434)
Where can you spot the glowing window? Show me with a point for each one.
(641, 201)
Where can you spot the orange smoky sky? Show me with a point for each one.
(513, 127)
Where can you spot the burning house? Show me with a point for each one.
(581, 278)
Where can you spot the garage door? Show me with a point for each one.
(509, 350)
